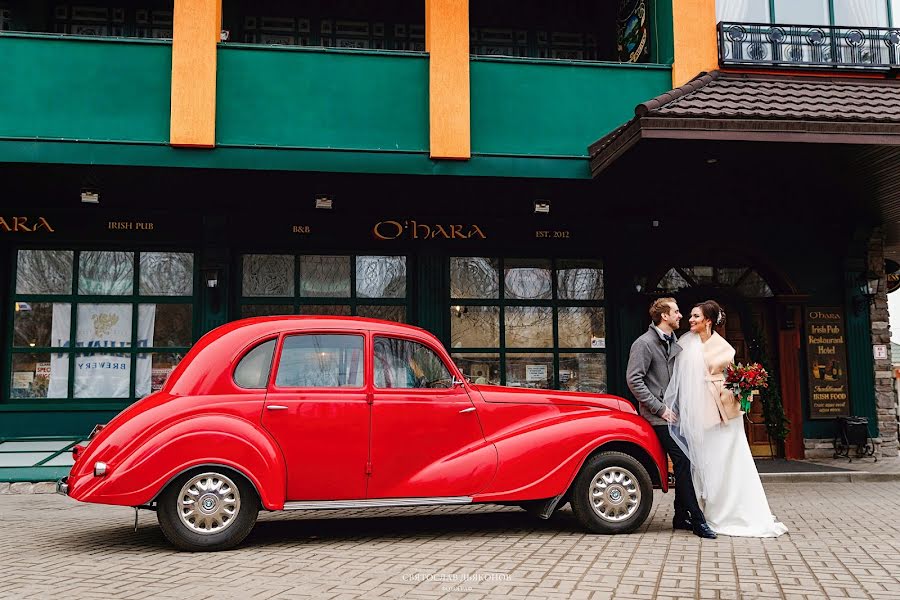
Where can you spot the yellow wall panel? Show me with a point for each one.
(196, 27)
(447, 40)
(696, 48)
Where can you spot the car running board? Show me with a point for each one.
(376, 503)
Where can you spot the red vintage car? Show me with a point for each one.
(305, 413)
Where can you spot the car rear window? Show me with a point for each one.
(253, 370)
(316, 361)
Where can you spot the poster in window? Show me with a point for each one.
(101, 328)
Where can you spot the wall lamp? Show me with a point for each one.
(89, 196)
(324, 201)
(211, 276)
(868, 284)
(541, 206)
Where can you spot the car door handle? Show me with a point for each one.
(467, 410)
(276, 407)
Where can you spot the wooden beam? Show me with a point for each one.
(447, 40)
(695, 39)
(196, 28)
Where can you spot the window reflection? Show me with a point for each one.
(474, 277)
(480, 369)
(105, 273)
(529, 370)
(474, 326)
(527, 279)
(529, 327)
(321, 361)
(585, 372)
(381, 276)
(407, 364)
(44, 271)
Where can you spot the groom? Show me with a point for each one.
(649, 370)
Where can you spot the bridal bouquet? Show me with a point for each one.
(743, 380)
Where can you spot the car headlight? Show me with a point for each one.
(99, 469)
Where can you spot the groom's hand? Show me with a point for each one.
(669, 416)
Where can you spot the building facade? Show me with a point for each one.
(478, 169)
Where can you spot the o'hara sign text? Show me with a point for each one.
(826, 345)
(415, 230)
(24, 225)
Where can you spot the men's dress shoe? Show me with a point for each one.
(703, 530)
(682, 523)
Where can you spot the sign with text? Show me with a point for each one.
(826, 351)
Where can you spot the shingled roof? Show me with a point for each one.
(752, 107)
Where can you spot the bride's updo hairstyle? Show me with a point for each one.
(711, 310)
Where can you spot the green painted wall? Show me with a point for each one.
(315, 98)
(85, 89)
(107, 102)
(555, 108)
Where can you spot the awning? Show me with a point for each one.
(859, 115)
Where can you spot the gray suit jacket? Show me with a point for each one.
(648, 374)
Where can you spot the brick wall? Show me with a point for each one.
(885, 397)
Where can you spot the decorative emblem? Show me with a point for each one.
(104, 322)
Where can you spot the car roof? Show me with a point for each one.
(225, 343)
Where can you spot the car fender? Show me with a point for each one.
(137, 477)
(543, 463)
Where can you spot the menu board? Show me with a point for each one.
(826, 351)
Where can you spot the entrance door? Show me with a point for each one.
(736, 335)
(318, 413)
(754, 423)
(426, 437)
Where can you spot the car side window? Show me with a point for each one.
(321, 361)
(407, 364)
(252, 371)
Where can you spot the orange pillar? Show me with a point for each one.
(196, 28)
(447, 41)
(696, 43)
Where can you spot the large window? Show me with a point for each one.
(98, 324)
(842, 13)
(312, 284)
(529, 322)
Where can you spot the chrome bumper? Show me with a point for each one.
(62, 487)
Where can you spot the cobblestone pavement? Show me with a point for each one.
(844, 543)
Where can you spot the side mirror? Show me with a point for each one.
(456, 382)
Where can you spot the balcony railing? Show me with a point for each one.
(811, 46)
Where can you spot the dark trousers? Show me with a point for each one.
(685, 498)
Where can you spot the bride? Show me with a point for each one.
(710, 430)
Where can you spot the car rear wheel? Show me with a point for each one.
(207, 509)
(612, 493)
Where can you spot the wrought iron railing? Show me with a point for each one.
(816, 46)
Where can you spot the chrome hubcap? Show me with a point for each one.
(615, 494)
(208, 503)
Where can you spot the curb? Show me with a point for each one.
(23, 487)
(828, 477)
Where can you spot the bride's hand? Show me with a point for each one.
(669, 416)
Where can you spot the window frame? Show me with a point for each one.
(353, 301)
(279, 349)
(134, 299)
(554, 303)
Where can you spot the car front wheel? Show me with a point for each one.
(207, 509)
(612, 493)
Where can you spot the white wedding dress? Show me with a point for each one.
(725, 478)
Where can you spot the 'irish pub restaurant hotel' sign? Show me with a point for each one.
(829, 395)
